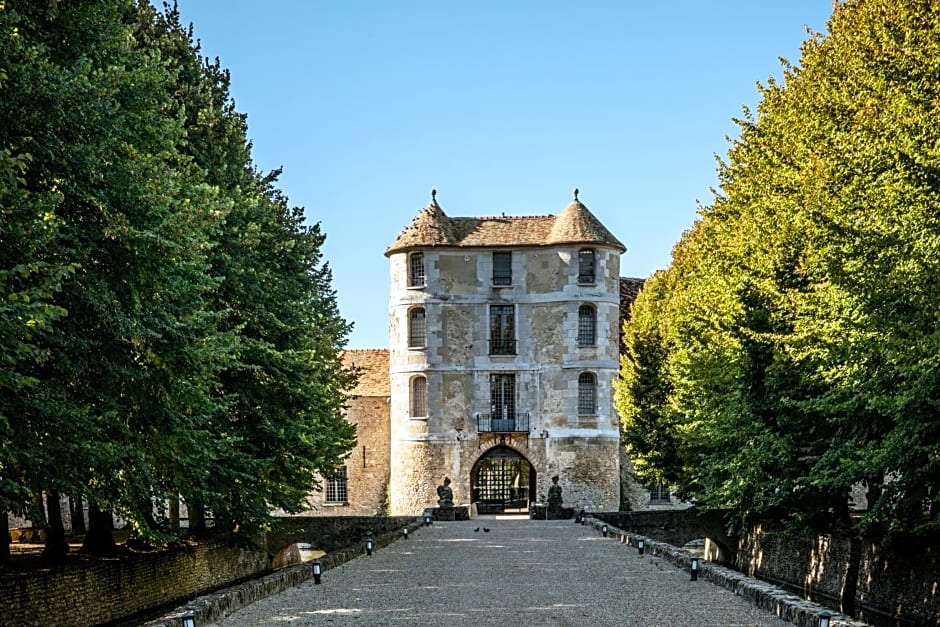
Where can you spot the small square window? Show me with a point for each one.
(502, 268)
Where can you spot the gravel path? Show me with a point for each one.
(522, 572)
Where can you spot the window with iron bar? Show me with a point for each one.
(337, 487)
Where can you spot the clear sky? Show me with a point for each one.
(503, 107)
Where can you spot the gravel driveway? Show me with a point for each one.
(519, 573)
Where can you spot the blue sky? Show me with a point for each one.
(503, 107)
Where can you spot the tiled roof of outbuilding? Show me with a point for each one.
(575, 225)
(629, 288)
(372, 365)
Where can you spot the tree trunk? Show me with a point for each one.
(99, 540)
(197, 518)
(174, 514)
(77, 506)
(4, 539)
(850, 585)
(56, 547)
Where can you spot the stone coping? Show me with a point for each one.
(783, 604)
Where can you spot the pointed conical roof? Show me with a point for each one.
(431, 227)
(577, 225)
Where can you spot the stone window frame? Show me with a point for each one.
(501, 343)
(587, 394)
(587, 266)
(500, 384)
(502, 268)
(418, 397)
(417, 327)
(587, 325)
(417, 272)
(337, 487)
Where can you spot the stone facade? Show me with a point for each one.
(524, 334)
(367, 467)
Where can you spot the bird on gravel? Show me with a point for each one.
(475, 530)
(486, 530)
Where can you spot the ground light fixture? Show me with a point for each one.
(583, 519)
(404, 531)
(189, 619)
(693, 569)
(640, 545)
(317, 571)
(825, 617)
(369, 546)
(604, 530)
(427, 521)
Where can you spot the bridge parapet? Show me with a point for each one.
(678, 527)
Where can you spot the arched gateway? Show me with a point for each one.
(500, 481)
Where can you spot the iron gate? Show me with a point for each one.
(501, 481)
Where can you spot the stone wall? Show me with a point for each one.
(368, 465)
(89, 590)
(899, 585)
(100, 590)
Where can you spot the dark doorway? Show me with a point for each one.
(501, 481)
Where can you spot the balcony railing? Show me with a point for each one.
(503, 423)
(502, 347)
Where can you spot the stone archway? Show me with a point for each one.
(502, 480)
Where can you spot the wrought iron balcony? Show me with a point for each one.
(503, 423)
(502, 347)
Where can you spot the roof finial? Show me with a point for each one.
(434, 196)
(575, 193)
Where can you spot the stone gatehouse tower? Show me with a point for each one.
(503, 349)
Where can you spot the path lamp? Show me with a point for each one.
(427, 520)
(317, 571)
(640, 545)
(369, 546)
(825, 617)
(604, 530)
(583, 519)
(189, 619)
(404, 531)
(693, 569)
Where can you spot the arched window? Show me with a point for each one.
(587, 394)
(419, 397)
(416, 276)
(587, 325)
(586, 267)
(417, 328)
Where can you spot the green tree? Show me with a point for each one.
(801, 309)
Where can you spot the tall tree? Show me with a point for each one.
(802, 306)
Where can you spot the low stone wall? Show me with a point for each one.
(95, 591)
(763, 595)
(214, 607)
(88, 590)
(899, 586)
(677, 527)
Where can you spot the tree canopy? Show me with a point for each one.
(790, 351)
(167, 322)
